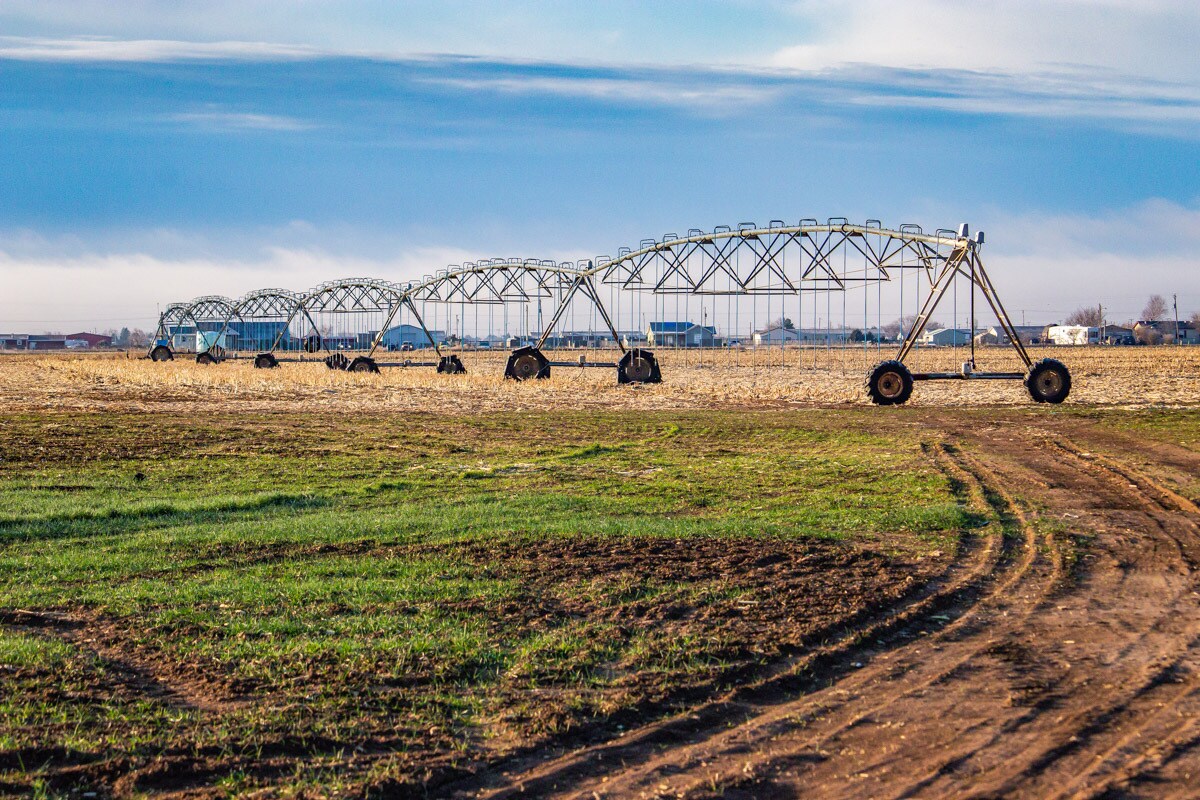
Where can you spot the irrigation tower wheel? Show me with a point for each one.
(207, 358)
(265, 361)
(889, 383)
(363, 364)
(161, 353)
(638, 366)
(526, 363)
(451, 365)
(337, 361)
(1048, 381)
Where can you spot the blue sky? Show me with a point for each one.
(169, 150)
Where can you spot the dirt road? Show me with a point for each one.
(1058, 658)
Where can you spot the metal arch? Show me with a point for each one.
(268, 303)
(170, 317)
(497, 280)
(492, 281)
(351, 295)
(695, 263)
(275, 303)
(209, 308)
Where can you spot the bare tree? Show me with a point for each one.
(1196, 319)
(1087, 315)
(782, 322)
(1156, 308)
(904, 324)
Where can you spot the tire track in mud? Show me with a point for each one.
(1159, 714)
(1060, 748)
(991, 568)
(1113, 705)
(1064, 748)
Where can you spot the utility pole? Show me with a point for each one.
(1103, 325)
(1175, 305)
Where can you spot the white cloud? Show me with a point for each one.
(45, 290)
(1147, 38)
(1051, 264)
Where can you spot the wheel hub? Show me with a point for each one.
(526, 367)
(639, 370)
(1049, 382)
(891, 385)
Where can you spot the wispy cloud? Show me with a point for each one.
(234, 121)
(1064, 94)
(847, 67)
(146, 50)
(698, 90)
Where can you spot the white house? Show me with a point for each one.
(1073, 334)
(946, 337)
(779, 335)
(1028, 334)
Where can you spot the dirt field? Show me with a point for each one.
(1102, 376)
(1057, 658)
(302, 592)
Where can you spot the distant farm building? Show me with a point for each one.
(1073, 334)
(777, 334)
(397, 336)
(1166, 332)
(88, 340)
(586, 339)
(1028, 334)
(47, 341)
(946, 337)
(33, 341)
(680, 334)
(1116, 334)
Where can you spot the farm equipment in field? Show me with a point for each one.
(890, 382)
(627, 303)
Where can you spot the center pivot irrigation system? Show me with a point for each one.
(642, 298)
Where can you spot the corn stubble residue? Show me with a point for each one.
(1110, 376)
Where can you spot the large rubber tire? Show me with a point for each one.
(337, 361)
(363, 364)
(206, 358)
(889, 383)
(312, 343)
(1048, 381)
(451, 365)
(161, 353)
(526, 363)
(265, 361)
(638, 366)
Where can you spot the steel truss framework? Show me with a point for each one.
(747, 261)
